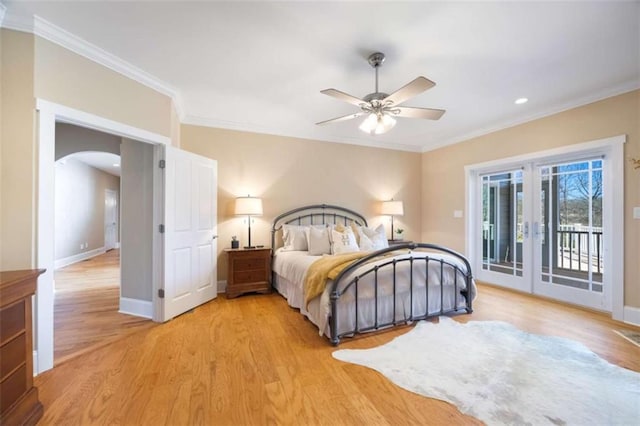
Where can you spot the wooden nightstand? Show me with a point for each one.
(249, 270)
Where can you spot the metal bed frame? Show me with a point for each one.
(329, 214)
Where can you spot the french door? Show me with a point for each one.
(540, 229)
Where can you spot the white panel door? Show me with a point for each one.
(190, 242)
(110, 218)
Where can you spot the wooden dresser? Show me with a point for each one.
(19, 404)
(249, 270)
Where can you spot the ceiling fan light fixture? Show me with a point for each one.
(377, 124)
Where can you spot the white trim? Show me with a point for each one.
(551, 154)
(74, 116)
(222, 286)
(136, 307)
(117, 244)
(631, 315)
(35, 362)
(70, 260)
(49, 113)
(614, 149)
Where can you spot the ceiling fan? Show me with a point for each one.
(381, 108)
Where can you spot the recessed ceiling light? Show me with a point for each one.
(521, 101)
(116, 164)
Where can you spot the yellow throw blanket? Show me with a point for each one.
(327, 267)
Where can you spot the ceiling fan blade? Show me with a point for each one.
(410, 90)
(343, 118)
(343, 96)
(428, 113)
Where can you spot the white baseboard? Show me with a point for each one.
(35, 363)
(118, 245)
(631, 315)
(222, 286)
(136, 307)
(66, 261)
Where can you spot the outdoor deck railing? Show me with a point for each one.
(574, 248)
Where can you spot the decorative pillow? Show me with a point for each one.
(356, 231)
(318, 241)
(343, 242)
(294, 237)
(373, 239)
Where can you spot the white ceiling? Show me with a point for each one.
(260, 66)
(104, 161)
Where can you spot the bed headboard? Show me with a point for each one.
(317, 214)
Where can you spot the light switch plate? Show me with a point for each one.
(636, 212)
(457, 213)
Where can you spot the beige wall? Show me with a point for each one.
(36, 68)
(17, 229)
(80, 207)
(289, 172)
(69, 79)
(443, 177)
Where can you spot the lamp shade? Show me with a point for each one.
(248, 206)
(392, 208)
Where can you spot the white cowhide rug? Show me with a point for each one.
(504, 376)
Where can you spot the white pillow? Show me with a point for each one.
(318, 241)
(373, 239)
(343, 242)
(295, 237)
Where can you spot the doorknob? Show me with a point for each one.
(214, 237)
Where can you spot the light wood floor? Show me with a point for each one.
(86, 307)
(253, 361)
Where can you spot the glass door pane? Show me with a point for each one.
(570, 234)
(503, 228)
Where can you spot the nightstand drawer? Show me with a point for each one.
(243, 277)
(248, 264)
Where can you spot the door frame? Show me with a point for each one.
(48, 113)
(613, 182)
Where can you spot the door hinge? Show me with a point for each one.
(162, 164)
(161, 293)
(161, 229)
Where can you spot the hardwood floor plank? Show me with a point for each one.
(253, 361)
(86, 304)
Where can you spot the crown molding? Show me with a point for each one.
(248, 127)
(59, 36)
(576, 103)
(16, 22)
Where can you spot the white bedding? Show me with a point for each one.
(290, 269)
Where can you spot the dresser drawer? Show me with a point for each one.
(12, 320)
(12, 388)
(12, 355)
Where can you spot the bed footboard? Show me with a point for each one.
(443, 278)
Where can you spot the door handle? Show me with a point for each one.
(536, 229)
(526, 229)
(214, 237)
